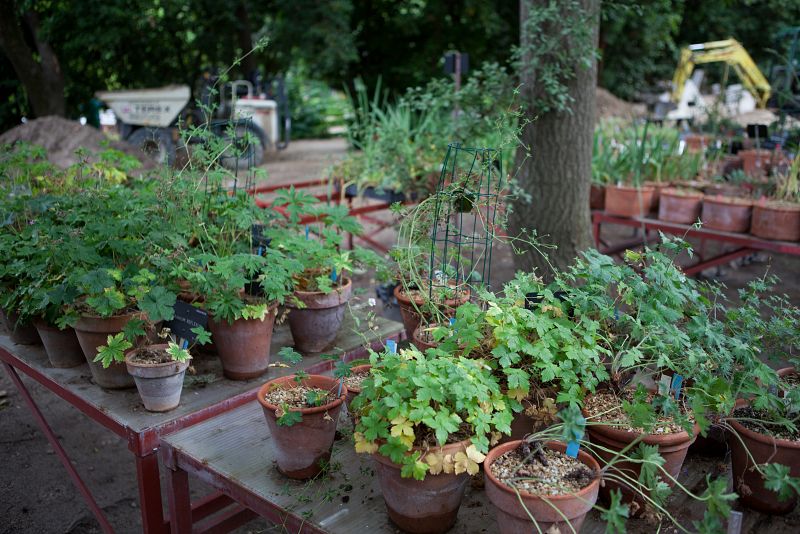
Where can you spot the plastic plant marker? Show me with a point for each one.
(572, 449)
(677, 382)
(734, 522)
(334, 276)
(185, 344)
(664, 384)
(339, 394)
(260, 250)
(452, 321)
(391, 344)
(616, 313)
(307, 231)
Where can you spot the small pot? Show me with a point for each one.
(512, 517)
(409, 307)
(353, 392)
(62, 346)
(697, 142)
(303, 448)
(159, 384)
(672, 448)
(316, 326)
(20, 334)
(93, 332)
(419, 342)
(428, 506)
(776, 220)
(726, 214)
(626, 201)
(680, 207)
(597, 197)
(748, 482)
(244, 346)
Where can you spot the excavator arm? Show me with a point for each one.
(729, 51)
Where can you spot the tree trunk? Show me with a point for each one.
(553, 166)
(42, 77)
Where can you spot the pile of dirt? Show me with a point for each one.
(609, 106)
(61, 138)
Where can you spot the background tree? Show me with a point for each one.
(558, 69)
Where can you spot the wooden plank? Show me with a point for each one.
(206, 388)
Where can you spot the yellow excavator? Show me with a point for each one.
(729, 51)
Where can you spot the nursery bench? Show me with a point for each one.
(205, 395)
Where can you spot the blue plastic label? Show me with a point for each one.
(391, 344)
(260, 250)
(334, 276)
(572, 449)
(307, 230)
(452, 321)
(677, 381)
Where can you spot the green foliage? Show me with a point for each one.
(777, 479)
(617, 513)
(290, 417)
(113, 350)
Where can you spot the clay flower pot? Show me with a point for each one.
(62, 346)
(353, 392)
(159, 384)
(776, 220)
(597, 197)
(512, 518)
(315, 326)
(658, 187)
(419, 342)
(755, 160)
(680, 206)
(748, 482)
(20, 334)
(626, 201)
(243, 347)
(672, 448)
(697, 142)
(727, 214)
(92, 333)
(409, 306)
(303, 448)
(428, 506)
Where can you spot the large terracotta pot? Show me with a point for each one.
(626, 201)
(718, 189)
(315, 326)
(776, 220)
(93, 332)
(20, 334)
(409, 307)
(428, 506)
(597, 197)
(512, 518)
(62, 346)
(672, 448)
(748, 482)
(726, 214)
(680, 206)
(302, 449)
(243, 347)
(755, 160)
(159, 384)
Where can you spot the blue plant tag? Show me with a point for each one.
(307, 230)
(616, 313)
(185, 344)
(341, 381)
(334, 276)
(260, 250)
(391, 344)
(677, 381)
(572, 449)
(452, 321)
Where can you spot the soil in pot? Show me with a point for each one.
(412, 300)
(303, 448)
(626, 201)
(680, 205)
(548, 482)
(61, 346)
(315, 326)
(92, 333)
(766, 444)
(358, 374)
(20, 334)
(244, 346)
(727, 214)
(776, 220)
(604, 409)
(158, 377)
(428, 506)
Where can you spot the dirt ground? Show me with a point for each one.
(36, 495)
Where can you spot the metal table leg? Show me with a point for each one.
(149, 482)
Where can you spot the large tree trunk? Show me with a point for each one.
(554, 165)
(42, 76)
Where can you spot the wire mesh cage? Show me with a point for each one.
(464, 222)
(231, 150)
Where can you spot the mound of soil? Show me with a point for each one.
(61, 138)
(609, 106)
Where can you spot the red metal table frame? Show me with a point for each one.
(745, 244)
(143, 441)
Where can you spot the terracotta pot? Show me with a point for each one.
(159, 384)
(748, 482)
(20, 334)
(597, 197)
(428, 506)
(409, 308)
(92, 333)
(315, 326)
(697, 142)
(62, 346)
(658, 187)
(626, 201)
(352, 392)
(755, 160)
(724, 190)
(243, 347)
(726, 214)
(680, 207)
(416, 338)
(303, 448)
(512, 518)
(776, 220)
(671, 447)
